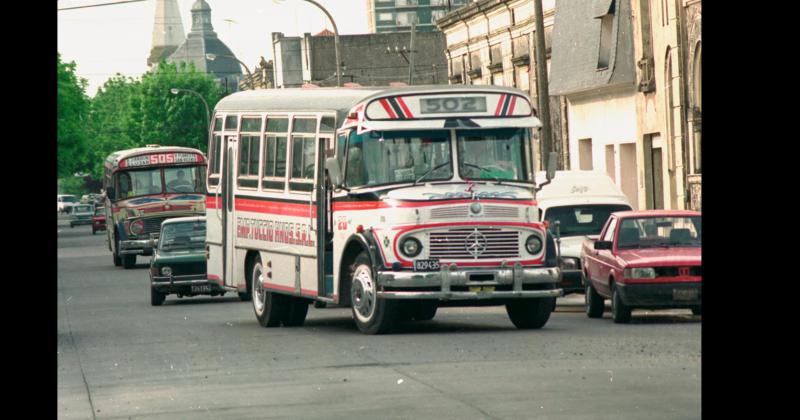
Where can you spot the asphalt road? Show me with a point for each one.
(203, 357)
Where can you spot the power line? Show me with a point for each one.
(102, 4)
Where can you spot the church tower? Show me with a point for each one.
(168, 32)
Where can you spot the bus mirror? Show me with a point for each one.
(110, 193)
(552, 161)
(332, 164)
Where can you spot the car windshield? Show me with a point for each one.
(100, 211)
(581, 220)
(657, 232)
(493, 154)
(379, 158)
(183, 235)
(82, 209)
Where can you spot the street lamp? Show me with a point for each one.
(213, 57)
(335, 42)
(175, 91)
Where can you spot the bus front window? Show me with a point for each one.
(379, 158)
(140, 182)
(493, 154)
(185, 179)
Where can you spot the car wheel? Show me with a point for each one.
(530, 313)
(620, 313)
(270, 308)
(156, 297)
(94, 231)
(697, 310)
(71, 225)
(372, 315)
(297, 311)
(595, 304)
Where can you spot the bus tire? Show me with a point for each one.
(528, 314)
(115, 253)
(372, 315)
(422, 310)
(270, 308)
(296, 313)
(129, 261)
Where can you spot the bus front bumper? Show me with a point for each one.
(453, 283)
(136, 247)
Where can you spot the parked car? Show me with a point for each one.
(178, 265)
(99, 219)
(65, 202)
(581, 202)
(644, 259)
(81, 215)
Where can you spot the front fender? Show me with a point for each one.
(367, 241)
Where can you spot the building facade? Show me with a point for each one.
(492, 42)
(366, 59)
(398, 15)
(168, 32)
(261, 77)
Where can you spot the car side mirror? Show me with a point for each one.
(335, 172)
(552, 162)
(599, 245)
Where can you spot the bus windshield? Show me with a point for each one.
(493, 154)
(379, 158)
(135, 183)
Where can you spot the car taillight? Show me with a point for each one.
(137, 227)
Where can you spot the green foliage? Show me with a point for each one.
(72, 185)
(73, 107)
(112, 123)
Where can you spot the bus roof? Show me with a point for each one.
(113, 160)
(343, 100)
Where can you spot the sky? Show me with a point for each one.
(107, 40)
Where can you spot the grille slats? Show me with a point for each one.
(500, 211)
(452, 244)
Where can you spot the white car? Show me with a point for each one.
(65, 202)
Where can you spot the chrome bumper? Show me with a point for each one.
(449, 276)
(134, 246)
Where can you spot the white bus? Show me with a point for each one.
(427, 199)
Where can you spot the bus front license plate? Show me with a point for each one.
(426, 265)
(201, 289)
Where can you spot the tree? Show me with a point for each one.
(112, 121)
(73, 107)
(176, 120)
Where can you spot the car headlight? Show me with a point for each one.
(640, 273)
(533, 244)
(137, 227)
(410, 247)
(568, 263)
(166, 271)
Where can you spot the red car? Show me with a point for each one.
(644, 259)
(99, 220)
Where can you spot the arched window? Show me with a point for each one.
(697, 101)
(668, 112)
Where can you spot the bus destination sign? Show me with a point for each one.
(453, 104)
(160, 159)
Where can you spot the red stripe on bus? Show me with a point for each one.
(373, 205)
(211, 202)
(275, 207)
(405, 108)
(499, 104)
(283, 288)
(511, 107)
(388, 108)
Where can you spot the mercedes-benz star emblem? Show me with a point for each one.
(475, 243)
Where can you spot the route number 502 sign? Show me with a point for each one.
(454, 104)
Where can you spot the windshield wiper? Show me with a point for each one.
(483, 169)
(431, 170)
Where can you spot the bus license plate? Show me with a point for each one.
(426, 265)
(201, 289)
(684, 294)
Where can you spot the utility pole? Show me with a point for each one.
(411, 53)
(546, 138)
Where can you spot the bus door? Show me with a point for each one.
(228, 207)
(325, 149)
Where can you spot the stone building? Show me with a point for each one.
(366, 59)
(492, 42)
(168, 32)
(202, 40)
(262, 77)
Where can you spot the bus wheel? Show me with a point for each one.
(372, 315)
(297, 311)
(129, 260)
(270, 308)
(530, 313)
(115, 253)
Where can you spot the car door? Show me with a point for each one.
(604, 260)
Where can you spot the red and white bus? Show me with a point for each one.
(394, 201)
(144, 187)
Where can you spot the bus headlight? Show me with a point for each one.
(137, 227)
(533, 244)
(166, 271)
(411, 247)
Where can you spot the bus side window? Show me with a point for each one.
(303, 154)
(274, 159)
